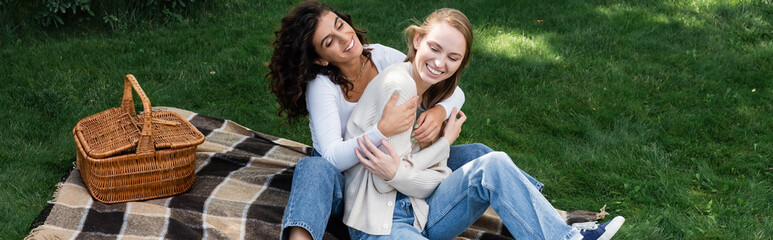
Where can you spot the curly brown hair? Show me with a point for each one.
(292, 65)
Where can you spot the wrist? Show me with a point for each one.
(380, 128)
(392, 176)
(393, 173)
(449, 139)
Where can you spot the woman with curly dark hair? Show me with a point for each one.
(320, 67)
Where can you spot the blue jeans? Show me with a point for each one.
(316, 196)
(402, 223)
(462, 154)
(491, 180)
(317, 189)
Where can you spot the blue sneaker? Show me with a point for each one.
(604, 231)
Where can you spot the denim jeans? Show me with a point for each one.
(317, 189)
(402, 223)
(462, 154)
(316, 196)
(493, 180)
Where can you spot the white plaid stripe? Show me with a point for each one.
(205, 215)
(83, 217)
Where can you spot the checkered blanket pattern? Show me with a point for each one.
(243, 181)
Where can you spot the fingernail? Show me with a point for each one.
(395, 92)
(413, 140)
(415, 126)
(413, 134)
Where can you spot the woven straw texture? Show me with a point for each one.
(121, 159)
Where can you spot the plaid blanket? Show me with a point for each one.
(243, 181)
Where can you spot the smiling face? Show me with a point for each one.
(439, 54)
(335, 40)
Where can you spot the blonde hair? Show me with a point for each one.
(455, 19)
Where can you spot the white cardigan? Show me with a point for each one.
(329, 111)
(369, 200)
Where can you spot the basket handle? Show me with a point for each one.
(145, 143)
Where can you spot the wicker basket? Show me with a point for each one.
(124, 157)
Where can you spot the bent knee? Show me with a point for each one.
(481, 147)
(498, 160)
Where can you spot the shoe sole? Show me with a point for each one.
(612, 228)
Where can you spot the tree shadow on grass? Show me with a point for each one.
(639, 89)
(692, 72)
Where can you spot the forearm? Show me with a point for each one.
(456, 100)
(420, 183)
(431, 155)
(325, 123)
(419, 173)
(341, 153)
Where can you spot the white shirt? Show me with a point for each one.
(329, 112)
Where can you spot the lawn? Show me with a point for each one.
(662, 110)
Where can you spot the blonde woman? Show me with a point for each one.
(400, 190)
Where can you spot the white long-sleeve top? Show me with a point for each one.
(329, 111)
(368, 199)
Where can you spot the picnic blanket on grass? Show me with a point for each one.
(242, 184)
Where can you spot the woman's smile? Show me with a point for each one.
(438, 54)
(335, 40)
(435, 73)
(351, 45)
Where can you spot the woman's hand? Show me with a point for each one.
(396, 119)
(454, 126)
(429, 124)
(383, 165)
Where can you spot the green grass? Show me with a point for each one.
(662, 110)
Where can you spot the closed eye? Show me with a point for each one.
(454, 56)
(434, 47)
(341, 24)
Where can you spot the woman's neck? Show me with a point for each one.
(421, 86)
(352, 68)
